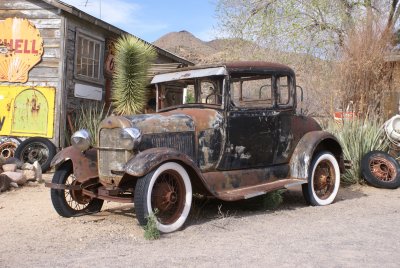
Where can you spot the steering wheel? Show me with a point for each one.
(213, 94)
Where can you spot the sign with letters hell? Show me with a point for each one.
(21, 48)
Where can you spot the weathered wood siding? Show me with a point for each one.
(48, 72)
(48, 21)
(72, 25)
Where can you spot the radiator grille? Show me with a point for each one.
(182, 142)
(111, 158)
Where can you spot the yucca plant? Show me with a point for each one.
(133, 59)
(358, 137)
(89, 118)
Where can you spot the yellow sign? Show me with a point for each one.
(21, 48)
(27, 111)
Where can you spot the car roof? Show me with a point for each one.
(243, 66)
(236, 67)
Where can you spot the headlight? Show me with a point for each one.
(130, 138)
(81, 140)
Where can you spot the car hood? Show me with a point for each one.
(178, 120)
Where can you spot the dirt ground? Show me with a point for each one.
(361, 229)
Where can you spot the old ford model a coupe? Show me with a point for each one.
(230, 131)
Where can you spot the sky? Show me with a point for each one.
(151, 19)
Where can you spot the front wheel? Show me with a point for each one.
(70, 203)
(323, 181)
(166, 193)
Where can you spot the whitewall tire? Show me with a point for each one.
(165, 192)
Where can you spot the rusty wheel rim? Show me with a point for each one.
(74, 198)
(168, 197)
(36, 151)
(324, 179)
(7, 149)
(382, 169)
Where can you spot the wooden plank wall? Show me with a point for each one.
(48, 72)
(73, 24)
(47, 20)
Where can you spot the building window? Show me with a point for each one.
(89, 58)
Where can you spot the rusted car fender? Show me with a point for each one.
(311, 143)
(147, 160)
(84, 164)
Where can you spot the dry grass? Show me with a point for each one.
(363, 75)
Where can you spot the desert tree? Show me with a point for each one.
(315, 27)
(337, 43)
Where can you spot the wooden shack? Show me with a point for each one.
(55, 59)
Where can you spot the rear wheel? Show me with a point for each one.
(166, 193)
(324, 180)
(70, 203)
(381, 170)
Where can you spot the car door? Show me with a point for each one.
(250, 128)
(285, 131)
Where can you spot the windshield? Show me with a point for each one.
(204, 90)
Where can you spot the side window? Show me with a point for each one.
(252, 92)
(88, 58)
(283, 90)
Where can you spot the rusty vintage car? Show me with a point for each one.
(230, 131)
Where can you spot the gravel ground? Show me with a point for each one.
(361, 229)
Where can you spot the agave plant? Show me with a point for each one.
(358, 137)
(133, 59)
(89, 118)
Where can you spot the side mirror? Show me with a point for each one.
(301, 98)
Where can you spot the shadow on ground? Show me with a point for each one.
(205, 209)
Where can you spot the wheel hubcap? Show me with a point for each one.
(168, 197)
(324, 179)
(35, 152)
(382, 169)
(7, 149)
(74, 198)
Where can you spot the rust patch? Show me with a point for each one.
(85, 164)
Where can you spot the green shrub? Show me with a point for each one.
(150, 230)
(272, 200)
(89, 118)
(358, 137)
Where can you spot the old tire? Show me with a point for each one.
(381, 170)
(323, 181)
(71, 203)
(36, 149)
(8, 145)
(166, 193)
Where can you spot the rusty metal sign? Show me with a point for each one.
(109, 65)
(21, 48)
(27, 111)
